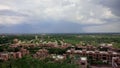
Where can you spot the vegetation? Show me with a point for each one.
(29, 62)
(57, 51)
(74, 39)
(83, 39)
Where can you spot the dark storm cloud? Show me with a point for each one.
(43, 27)
(114, 5)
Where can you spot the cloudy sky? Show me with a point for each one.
(59, 16)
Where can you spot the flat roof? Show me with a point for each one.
(83, 58)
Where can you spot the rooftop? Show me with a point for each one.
(83, 58)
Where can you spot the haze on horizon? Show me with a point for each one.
(59, 16)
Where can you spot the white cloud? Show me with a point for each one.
(10, 20)
(84, 12)
(4, 7)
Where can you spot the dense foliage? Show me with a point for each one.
(29, 62)
(56, 51)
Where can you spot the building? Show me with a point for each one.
(116, 62)
(83, 62)
(24, 51)
(18, 55)
(105, 56)
(88, 47)
(10, 55)
(4, 56)
(41, 54)
(58, 57)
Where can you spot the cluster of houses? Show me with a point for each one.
(46, 45)
(13, 55)
(108, 55)
(104, 52)
(41, 54)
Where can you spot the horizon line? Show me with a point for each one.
(62, 33)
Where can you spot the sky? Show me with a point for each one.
(59, 16)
